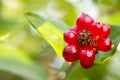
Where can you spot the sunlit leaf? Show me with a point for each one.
(53, 36)
(37, 20)
(51, 31)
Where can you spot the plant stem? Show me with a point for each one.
(63, 75)
(69, 68)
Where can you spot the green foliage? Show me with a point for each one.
(113, 19)
(23, 43)
(115, 37)
(52, 35)
(15, 61)
(6, 26)
(108, 6)
(49, 32)
(37, 20)
(93, 73)
(34, 5)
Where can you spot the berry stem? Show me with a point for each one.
(69, 68)
(66, 71)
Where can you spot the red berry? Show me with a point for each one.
(70, 53)
(105, 30)
(87, 57)
(85, 39)
(84, 21)
(104, 44)
(75, 29)
(95, 29)
(70, 37)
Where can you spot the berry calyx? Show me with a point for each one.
(70, 53)
(70, 37)
(104, 44)
(87, 57)
(84, 38)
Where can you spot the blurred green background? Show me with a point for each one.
(25, 55)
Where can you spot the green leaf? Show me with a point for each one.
(53, 36)
(34, 20)
(37, 20)
(52, 31)
(112, 19)
(115, 37)
(15, 61)
(97, 72)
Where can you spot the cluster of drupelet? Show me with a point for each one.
(85, 39)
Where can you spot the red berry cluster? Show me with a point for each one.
(85, 39)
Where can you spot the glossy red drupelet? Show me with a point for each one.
(87, 56)
(70, 37)
(84, 21)
(70, 53)
(85, 39)
(104, 44)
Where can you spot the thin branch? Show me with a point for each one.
(62, 75)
